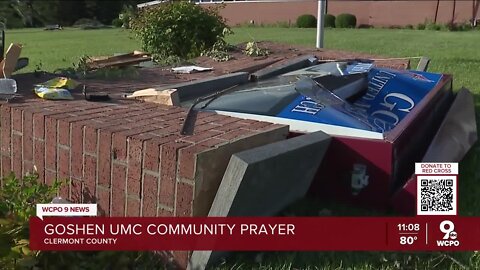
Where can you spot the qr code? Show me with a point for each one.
(436, 195)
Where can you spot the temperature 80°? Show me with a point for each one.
(407, 240)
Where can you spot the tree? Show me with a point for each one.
(9, 15)
(32, 13)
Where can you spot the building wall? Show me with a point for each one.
(376, 13)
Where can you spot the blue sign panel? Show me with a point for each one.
(390, 96)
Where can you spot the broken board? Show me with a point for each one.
(164, 97)
(7, 66)
(128, 59)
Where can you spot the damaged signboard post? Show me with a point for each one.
(375, 124)
(381, 120)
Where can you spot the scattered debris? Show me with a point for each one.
(57, 88)
(8, 89)
(52, 93)
(252, 49)
(423, 64)
(189, 123)
(96, 97)
(8, 86)
(220, 51)
(190, 69)
(258, 64)
(218, 55)
(53, 27)
(128, 59)
(9, 63)
(60, 200)
(165, 97)
(61, 82)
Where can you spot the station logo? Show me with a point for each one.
(450, 236)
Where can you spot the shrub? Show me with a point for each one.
(409, 26)
(282, 24)
(365, 26)
(18, 199)
(117, 22)
(421, 26)
(329, 20)
(465, 26)
(178, 28)
(394, 27)
(12, 22)
(346, 20)
(127, 14)
(430, 25)
(306, 21)
(447, 27)
(433, 26)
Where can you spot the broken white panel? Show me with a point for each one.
(190, 69)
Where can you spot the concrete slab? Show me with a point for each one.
(194, 89)
(423, 64)
(212, 164)
(264, 180)
(457, 133)
(294, 64)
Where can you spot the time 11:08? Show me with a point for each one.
(408, 227)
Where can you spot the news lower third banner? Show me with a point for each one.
(273, 233)
(436, 227)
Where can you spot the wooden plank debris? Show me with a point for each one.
(128, 59)
(164, 97)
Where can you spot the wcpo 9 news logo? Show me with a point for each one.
(447, 227)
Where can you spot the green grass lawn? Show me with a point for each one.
(451, 52)
(49, 50)
(456, 53)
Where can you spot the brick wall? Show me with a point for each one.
(129, 158)
(376, 13)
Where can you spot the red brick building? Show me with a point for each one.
(374, 12)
